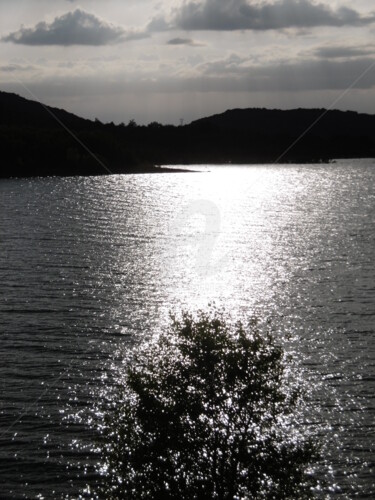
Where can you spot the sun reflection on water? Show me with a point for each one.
(271, 241)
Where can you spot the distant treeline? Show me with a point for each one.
(34, 139)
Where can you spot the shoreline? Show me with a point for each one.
(162, 169)
(131, 171)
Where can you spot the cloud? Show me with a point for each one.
(183, 41)
(158, 23)
(11, 68)
(180, 41)
(231, 75)
(229, 15)
(74, 28)
(237, 74)
(339, 52)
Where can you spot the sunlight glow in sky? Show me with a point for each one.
(166, 60)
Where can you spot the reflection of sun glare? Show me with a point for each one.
(187, 228)
(229, 183)
(214, 209)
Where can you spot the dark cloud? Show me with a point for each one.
(11, 68)
(74, 28)
(226, 15)
(343, 52)
(183, 41)
(180, 41)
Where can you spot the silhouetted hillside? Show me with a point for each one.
(40, 140)
(316, 134)
(18, 111)
(295, 122)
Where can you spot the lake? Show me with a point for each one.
(90, 266)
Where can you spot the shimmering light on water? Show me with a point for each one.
(90, 265)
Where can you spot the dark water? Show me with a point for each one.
(88, 266)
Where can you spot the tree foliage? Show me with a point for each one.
(34, 139)
(207, 412)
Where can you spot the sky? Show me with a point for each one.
(174, 61)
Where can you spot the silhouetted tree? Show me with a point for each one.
(206, 412)
(132, 123)
(155, 125)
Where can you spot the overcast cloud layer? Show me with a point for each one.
(221, 15)
(166, 59)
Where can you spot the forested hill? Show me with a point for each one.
(20, 112)
(328, 124)
(34, 139)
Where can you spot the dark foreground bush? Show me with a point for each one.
(207, 412)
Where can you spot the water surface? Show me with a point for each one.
(88, 266)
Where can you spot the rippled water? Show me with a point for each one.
(90, 265)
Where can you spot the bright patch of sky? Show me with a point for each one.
(162, 60)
